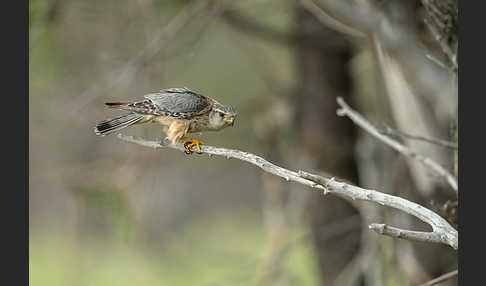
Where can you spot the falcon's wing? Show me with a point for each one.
(180, 102)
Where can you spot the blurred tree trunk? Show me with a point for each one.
(326, 142)
(418, 114)
(275, 191)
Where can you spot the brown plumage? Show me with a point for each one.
(180, 110)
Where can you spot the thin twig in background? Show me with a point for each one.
(444, 46)
(359, 120)
(442, 231)
(409, 111)
(441, 20)
(128, 72)
(399, 41)
(437, 61)
(329, 21)
(262, 66)
(441, 278)
(390, 131)
(212, 15)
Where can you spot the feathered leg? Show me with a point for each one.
(177, 131)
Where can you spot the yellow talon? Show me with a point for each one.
(189, 143)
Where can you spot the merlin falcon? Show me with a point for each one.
(179, 110)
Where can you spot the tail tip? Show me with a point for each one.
(100, 131)
(112, 104)
(109, 126)
(97, 131)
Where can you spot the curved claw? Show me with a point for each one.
(189, 143)
(188, 151)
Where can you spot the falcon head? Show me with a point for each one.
(221, 116)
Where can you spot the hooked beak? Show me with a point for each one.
(230, 120)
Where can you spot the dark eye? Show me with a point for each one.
(221, 114)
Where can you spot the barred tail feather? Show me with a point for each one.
(112, 125)
(116, 104)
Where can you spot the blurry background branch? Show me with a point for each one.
(329, 21)
(394, 132)
(239, 21)
(442, 232)
(287, 61)
(368, 127)
(442, 21)
(441, 278)
(127, 74)
(394, 35)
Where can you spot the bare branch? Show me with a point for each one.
(437, 61)
(441, 278)
(367, 126)
(127, 73)
(243, 23)
(400, 42)
(329, 21)
(390, 131)
(443, 232)
(405, 234)
(442, 22)
(444, 46)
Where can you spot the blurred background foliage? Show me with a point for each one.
(104, 212)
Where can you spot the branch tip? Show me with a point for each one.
(443, 232)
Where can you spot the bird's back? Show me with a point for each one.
(180, 102)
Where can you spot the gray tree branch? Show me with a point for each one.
(359, 120)
(329, 21)
(441, 278)
(394, 132)
(442, 20)
(442, 231)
